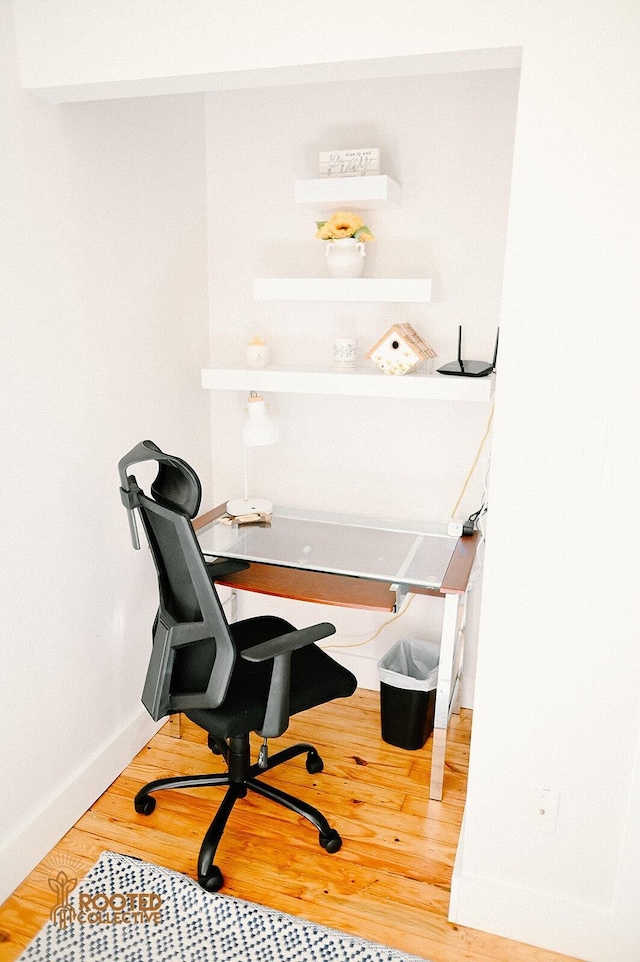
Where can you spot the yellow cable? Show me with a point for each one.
(473, 466)
(384, 624)
(390, 621)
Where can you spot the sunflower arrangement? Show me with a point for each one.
(343, 224)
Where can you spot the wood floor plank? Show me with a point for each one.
(390, 881)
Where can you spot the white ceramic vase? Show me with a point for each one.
(345, 257)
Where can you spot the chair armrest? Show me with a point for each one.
(279, 651)
(224, 567)
(283, 644)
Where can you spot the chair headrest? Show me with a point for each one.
(176, 484)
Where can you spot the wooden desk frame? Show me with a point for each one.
(349, 591)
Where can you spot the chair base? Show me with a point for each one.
(240, 778)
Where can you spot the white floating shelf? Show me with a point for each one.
(363, 382)
(376, 192)
(406, 290)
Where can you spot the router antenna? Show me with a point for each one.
(460, 361)
(495, 350)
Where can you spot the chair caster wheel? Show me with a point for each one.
(212, 881)
(331, 842)
(145, 805)
(314, 763)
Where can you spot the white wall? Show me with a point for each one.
(369, 456)
(558, 699)
(558, 684)
(103, 316)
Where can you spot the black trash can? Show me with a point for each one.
(408, 679)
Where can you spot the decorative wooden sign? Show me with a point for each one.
(349, 163)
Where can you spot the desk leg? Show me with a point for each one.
(438, 752)
(444, 692)
(233, 606)
(175, 725)
(460, 641)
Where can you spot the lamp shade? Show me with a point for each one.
(258, 427)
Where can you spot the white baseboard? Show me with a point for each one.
(541, 918)
(30, 843)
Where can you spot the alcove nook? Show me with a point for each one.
(445, 130)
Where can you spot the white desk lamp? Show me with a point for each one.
(258, 429)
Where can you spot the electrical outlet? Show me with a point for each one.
(546, 809)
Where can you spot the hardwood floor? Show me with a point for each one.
(390, 881)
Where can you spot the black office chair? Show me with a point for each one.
(230, 680)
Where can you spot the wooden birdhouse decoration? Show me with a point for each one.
(399, 350)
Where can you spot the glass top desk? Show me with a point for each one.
(361, 563)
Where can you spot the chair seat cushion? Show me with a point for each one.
(315, 679)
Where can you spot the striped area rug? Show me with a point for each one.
(125, 910)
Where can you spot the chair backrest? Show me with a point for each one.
(193, 653)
